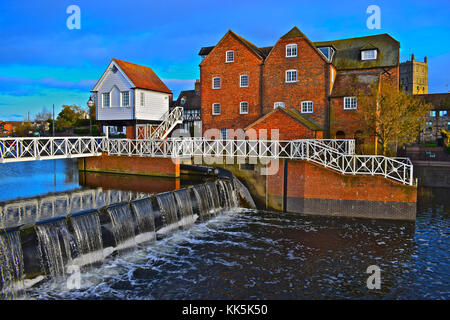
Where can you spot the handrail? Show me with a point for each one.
(317, 151)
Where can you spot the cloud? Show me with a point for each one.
(15, 86)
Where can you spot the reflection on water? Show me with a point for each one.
(268, 255)
(28, 179)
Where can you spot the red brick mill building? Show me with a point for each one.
(305, 89)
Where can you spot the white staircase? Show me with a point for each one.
(159, 132)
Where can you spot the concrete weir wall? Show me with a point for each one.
(146, 166)
(304, 187)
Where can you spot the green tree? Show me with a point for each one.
(25, 129)
(68, 117)
(392, 116)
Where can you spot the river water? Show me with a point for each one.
(252, 254)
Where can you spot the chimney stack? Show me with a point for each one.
(197, 86)
(412, 57)
(425, 60)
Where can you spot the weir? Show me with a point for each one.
(50, 248)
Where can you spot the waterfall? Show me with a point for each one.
(11, 265)
(204, 203)
(88, 235)
(214, 196)
(122, 225)
(55, 244)
(183, 198)
(168, 207)
(143, 211)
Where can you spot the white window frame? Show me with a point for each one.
(240, 82)
(240, 108)
(109, 100)
(142, 99)
(222, 131)
(226, 56)
(213, 83)
(121, 98)
(306, 106)
(296, 76)
(351, 107)
(364, 54)
(279, 104)
(289, 50)
(213, 110)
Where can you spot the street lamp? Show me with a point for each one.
(90, 104)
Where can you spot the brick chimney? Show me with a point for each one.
(197, 86)
(412, 57)
(425, 60)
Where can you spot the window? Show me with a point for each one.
(429, 125)
(369, 54)
(328, 52)
(278, 105)
(244, 80)
(243, 108)
(142, 99)
(183, 101)
(448, 125)
(216, 83)
(125, 99)
(433, 113)
(291, 50)
(307, 107)
(443, 113)
(216, 109)
(224, 134)
(106, 102)
(291, 76)
(230, 56)
(350, 103)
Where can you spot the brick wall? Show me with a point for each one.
(312, 79)
(289, 128)
(159, 167)
(230, 95)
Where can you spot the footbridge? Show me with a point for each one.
(337, 155)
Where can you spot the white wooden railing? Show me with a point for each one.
(337, 155)
(30, 149)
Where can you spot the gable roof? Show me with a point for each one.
(348, 51)
(193, 99)
(293, 33)
(142, 77)
(293, 114)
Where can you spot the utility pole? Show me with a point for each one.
(53, 126)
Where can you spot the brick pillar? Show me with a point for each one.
(131, 132)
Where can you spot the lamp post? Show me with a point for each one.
(90, 104)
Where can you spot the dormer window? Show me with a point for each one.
(369, 54)
(183, 101)
(291, 50)
(230, 56)
(328, 52)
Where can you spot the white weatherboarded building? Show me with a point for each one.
(130, 96)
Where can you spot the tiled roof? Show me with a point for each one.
(347, 83)
(348, 52)
(142, 77)
(192, 97)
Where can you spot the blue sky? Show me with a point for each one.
(42, 62)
